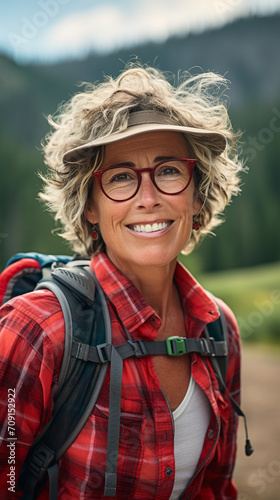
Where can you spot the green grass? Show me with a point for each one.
(254, 296)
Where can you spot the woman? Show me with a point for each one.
(138, 172)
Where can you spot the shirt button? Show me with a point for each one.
(210, 434)
(168, 471)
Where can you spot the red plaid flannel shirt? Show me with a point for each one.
(31, 351)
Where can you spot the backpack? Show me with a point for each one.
(87, 352)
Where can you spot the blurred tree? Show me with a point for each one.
(246, 51)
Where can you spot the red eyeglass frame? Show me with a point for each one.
(189, 161)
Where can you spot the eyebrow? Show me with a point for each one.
(164, 158)
(156, 160)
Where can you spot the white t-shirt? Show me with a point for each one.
(191, 420)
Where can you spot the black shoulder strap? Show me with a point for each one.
(86, 320)
(218, 330)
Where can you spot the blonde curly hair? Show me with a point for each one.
(103, 109)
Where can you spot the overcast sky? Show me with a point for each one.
(51, 30)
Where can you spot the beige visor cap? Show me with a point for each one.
(140, 122)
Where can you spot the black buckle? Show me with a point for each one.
(40, 461)
(205, 351)
(101, 350)
(212, 345)
(139, 348)
(208, 347)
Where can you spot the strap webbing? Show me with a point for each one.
(174, 346)
(248, 447)
(53, 481)
(31, 484)
(139, 348)
(113, 424)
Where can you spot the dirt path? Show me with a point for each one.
(258, 476)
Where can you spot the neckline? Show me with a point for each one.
(186, 400)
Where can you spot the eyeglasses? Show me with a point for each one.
(121, 183)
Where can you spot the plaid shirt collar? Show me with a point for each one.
(131, 306)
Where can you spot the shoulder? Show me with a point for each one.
(31, 354)
(38, 305)
(234, 349)
(35, 319)
(232, 326)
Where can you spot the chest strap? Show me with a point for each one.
(104, 353)
(172, 346)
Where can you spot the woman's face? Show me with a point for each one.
(127, 248)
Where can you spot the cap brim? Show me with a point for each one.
(216, 140)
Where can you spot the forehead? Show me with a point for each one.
(151, 144)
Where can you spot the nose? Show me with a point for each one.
(148, 196)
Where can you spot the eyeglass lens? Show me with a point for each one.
(170, 177)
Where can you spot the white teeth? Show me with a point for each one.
(148, 228)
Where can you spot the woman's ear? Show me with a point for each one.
(90, 212)
(197, 204)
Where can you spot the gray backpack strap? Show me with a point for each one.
(86, 318)
(67, 326)
(218, 330)
(114, 423)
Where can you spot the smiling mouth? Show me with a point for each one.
(150, 228)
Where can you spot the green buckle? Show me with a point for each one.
(175, 346)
